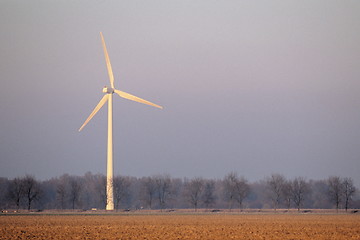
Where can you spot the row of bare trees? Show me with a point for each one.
(338, 190)
(25, 189)
(341, 190)
(288, 191)
(163, 191)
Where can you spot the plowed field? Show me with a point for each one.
(181, 226)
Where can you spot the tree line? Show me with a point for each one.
(165, 192)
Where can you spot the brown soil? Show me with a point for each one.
(181, 226)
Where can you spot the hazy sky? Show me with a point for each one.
(257, 87)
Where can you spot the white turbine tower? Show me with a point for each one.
(108, 97)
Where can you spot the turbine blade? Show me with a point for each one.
(96, 109)
(107, 59)
(136, 99)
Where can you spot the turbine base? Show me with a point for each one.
(110, 207)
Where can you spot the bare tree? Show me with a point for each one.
(193, 190)
(348, 191)
(287, 193)
(149, 190)
(208, 197)
(121, 189)
(16, 191)
(4, 185)
(275, 185)
(163, 188)
(176, 197)
(299, 188)
(61, 193)
(229, 188)
(75, 187)
(242, 190)
(31, 189)
(335, 191)
(100, 187)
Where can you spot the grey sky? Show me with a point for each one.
(257, 87)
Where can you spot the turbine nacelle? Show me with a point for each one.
(108, 90)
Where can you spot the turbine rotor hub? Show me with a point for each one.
(108, 90)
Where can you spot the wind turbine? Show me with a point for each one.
(108, 97)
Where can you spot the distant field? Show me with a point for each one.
(180, 226)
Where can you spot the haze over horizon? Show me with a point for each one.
(256, 87)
